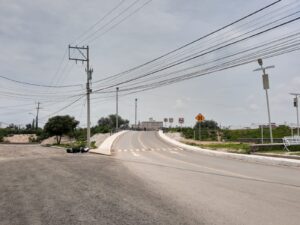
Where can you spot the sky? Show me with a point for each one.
(35, 34)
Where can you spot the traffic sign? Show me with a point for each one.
(200, 117)
(171, 120)
(165, 120)
(181, 120)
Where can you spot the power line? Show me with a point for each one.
(110, 21)
(99, 21)
(38, 85)
(121, 21)
(197, 56)
(192, 42)
(212, 47)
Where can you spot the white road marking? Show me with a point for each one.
(137, 150)
(135, 154)
(177, 153)
(125, 150)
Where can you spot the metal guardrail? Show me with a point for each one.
(291, 141)
(259, 140)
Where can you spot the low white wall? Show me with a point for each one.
(249, 158)
(105, 147)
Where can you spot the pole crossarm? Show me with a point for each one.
(84, 55)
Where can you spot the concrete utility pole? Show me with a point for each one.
(297, 109)
(37, 116)
(262, 133)
(117, 113)
(85, 58)
(199, 131)
(266, 86)
(135, 115)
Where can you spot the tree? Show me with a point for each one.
(60, 125)
(208, 130)
(207, 124)
(106, 124)
(28, 126)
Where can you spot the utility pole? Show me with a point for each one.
(117, 113)
(199, 131)
(135, 115)
(297, 109)
(266, 86)
(37, 116)
(84, 53)
(262, 133)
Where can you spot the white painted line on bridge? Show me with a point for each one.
(135, 154)
(177, 153)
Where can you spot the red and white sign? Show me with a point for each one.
(181, 120)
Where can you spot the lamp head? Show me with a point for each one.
(260, 62)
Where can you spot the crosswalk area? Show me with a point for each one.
(172, 149)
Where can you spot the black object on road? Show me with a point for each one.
(77, 150)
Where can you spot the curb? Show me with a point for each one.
(249, 158)
(106, 146)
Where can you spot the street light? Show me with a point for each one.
(117, 109)
(266, 86)
(33, 121)
(297, 109)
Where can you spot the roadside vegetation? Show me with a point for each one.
(65, 126)
(208, 134)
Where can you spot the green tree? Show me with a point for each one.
(106, 124)
(60, 125)
(208, 130)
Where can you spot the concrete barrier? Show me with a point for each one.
(106, 146)
(248, 158)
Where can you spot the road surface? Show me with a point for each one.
(146, 181)
(212, 190)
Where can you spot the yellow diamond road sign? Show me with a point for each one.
(200, 117)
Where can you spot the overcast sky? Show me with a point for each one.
(34, 35)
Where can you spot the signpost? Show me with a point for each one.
(199, 119)
(171, 120)
(165, 120)
(181, 121)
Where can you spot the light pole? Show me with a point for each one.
(262, 133)
(135, 113)
(297, 109)
(266, 86)
(117, 109)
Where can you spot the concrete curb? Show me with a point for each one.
(248, 158)
(105, 147)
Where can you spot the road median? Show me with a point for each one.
(248, 158)
(106, 146)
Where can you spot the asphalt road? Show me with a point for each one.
(146, 181)
(212, 190)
